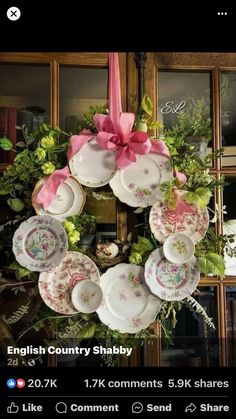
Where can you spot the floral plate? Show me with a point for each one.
(164, 221)
(69, 200)
(169, 281)
(40, 243)
(138, 185)
(55, 287)
(229, 227)
(128, 306)
(93, 165)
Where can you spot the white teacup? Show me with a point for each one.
(87, 296)
(178, 248)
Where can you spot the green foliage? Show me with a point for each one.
(140, 251)
(18, 314)
(194, 122)
(87, 121)
(201, 197)
(169, 195)
(17, 182)
(212, 263)
(195, 306)
(84, 223)
(144, 118)
(16, 204)
(5, 143)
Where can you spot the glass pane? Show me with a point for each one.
(184, 106)
(231, 324)
(229, 226)
(24, 99)
(194, 343)
(228, 117)
(79, 89)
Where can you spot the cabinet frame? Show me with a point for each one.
(215, 63)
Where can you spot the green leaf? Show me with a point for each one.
(22, 272)
(138, 210)
(155, 125)
(5, 191)
(20, 144)
(213, 264)
(5, 143)
(16, 204)
(144, 244)
(87, 331)
(200, 197)
(147, 105)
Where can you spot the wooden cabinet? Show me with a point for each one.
(63, 85)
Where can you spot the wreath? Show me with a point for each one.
(30, 186)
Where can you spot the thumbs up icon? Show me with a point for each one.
(13, 408)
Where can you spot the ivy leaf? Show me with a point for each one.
(20, 144)
(147, 105)
(200, 197)
(155, 125)
(5, 143)
(16, 204)
(87, 331)
(5, 191)
(22, 272)
(138, 210)
(144, 245)
(213, 264)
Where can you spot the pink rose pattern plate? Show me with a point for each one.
(55, 287)
(127, 306)
(40, 243)
(170, 281)
(164, 221)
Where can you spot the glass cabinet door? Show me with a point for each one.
(230, 293)
(80, 88)
(184, 105)
(193, 343)
(228, 117)
(24, 100)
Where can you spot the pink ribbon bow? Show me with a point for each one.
(48, 191)
(126, 142)
(122, 139)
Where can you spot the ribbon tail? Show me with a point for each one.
(76, 143)
(182, 208)
(140, 143)
(160, 147)
(125, 157)
(49, 189)
(115, 107)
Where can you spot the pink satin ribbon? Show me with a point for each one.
(49, 189)
(122, 139)
(114, 93)
(181, 206)
(115, 130)
(77, 142)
